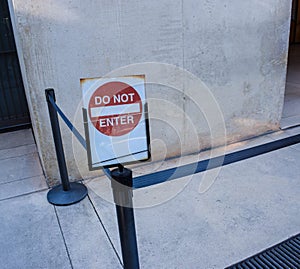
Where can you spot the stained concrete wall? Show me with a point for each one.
(237, 51)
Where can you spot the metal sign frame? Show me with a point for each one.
(118, 159)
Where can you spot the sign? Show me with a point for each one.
(115, 119)
(115, 108)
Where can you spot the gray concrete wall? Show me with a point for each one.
(237, 51)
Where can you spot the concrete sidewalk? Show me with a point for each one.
(252, 205)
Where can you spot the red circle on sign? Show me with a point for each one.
(115, 108)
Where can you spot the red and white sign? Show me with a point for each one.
(115, 122)
(115, 108)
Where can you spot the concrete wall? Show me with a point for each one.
(237, 51)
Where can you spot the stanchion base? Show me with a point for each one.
(57, 196)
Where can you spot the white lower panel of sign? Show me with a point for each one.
(120, 149)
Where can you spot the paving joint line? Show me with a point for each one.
(22, 155)
(31, 153)
(15, 147)
(63, 237)
(20, 179)
(24, 194)
(105, 231)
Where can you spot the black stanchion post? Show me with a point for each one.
(122, 191)
(66, 193)
(58, 141)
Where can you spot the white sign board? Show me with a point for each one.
(116, 125)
